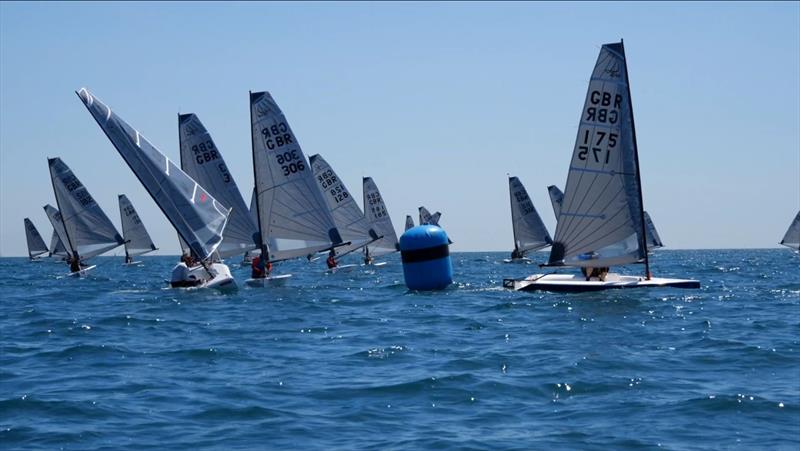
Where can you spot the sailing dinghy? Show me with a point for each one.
(195, 214)
(425, 217)
(347, 215)
(379, 220)
(601, 220)
(792, 237)
(530, 234)
(88, 231)
(292, 217)
(36, 246)
(137, 240)
(409, 222)
(57, 248)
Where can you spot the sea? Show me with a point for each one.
(354, 360)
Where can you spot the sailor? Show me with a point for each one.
(367, 257)
(331, 261)
(181, 274)
(74, 264)
(128, 259)
(516, 254)
(257, 270)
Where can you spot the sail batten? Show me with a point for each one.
(202, 160)
(200, 223)
(88, 229)
(599, 216)
(378, 217)
(530, 234)
(293, 217)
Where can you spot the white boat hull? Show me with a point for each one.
(218, 276)
(132, 264)
(572, 283)
(341, 268)
(82, 272)
(524, 260)
(278, 280)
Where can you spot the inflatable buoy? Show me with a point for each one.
(425, 252)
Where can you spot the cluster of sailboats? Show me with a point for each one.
(300, 208)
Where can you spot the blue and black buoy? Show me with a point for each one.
(425, 251)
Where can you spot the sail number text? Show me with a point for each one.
(597, 151)
(600, 111)
(290, 162)
(277, 135)
(205, 152)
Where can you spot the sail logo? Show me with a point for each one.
(262, 110)
(190, 130)
(612, 71)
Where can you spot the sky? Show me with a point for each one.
(437, 102)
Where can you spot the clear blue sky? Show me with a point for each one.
(437, 102)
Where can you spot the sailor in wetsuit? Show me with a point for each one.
(257, 271)
(181, 273)
(331, 260)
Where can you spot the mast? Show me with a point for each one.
(122, 223)
(643, 236)
(69, 240)
(261, 244)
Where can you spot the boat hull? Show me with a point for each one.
(278, 280)
(218, 276)
(571, 283)
(82, 272)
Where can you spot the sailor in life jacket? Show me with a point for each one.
(182, 275)
(331, 261)
(257, 272)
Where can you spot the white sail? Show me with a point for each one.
(653, 240)
(600, 223)
(58, 228)
(378, 218)
(347, 215)
(292, 215)
(195, 214)
(89, 231)
(202, 160)
(36, 245)
(556, 198)
(409, 222)
(792, 237)
(530, 234)
(137, 240)
(56, 246)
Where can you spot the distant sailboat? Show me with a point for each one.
(530, 234)
(88, 230)
(601, 220)
(198, 218)
(556, 198)
(36, 245)
(57, 248)
(347, 215)
(792, 237)
(202, 160)
(653, 240)
(409, 222)
(137, 240)
(379, 220)
(293, 219)
(425, 217)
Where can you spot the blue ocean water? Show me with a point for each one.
(354, 360)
